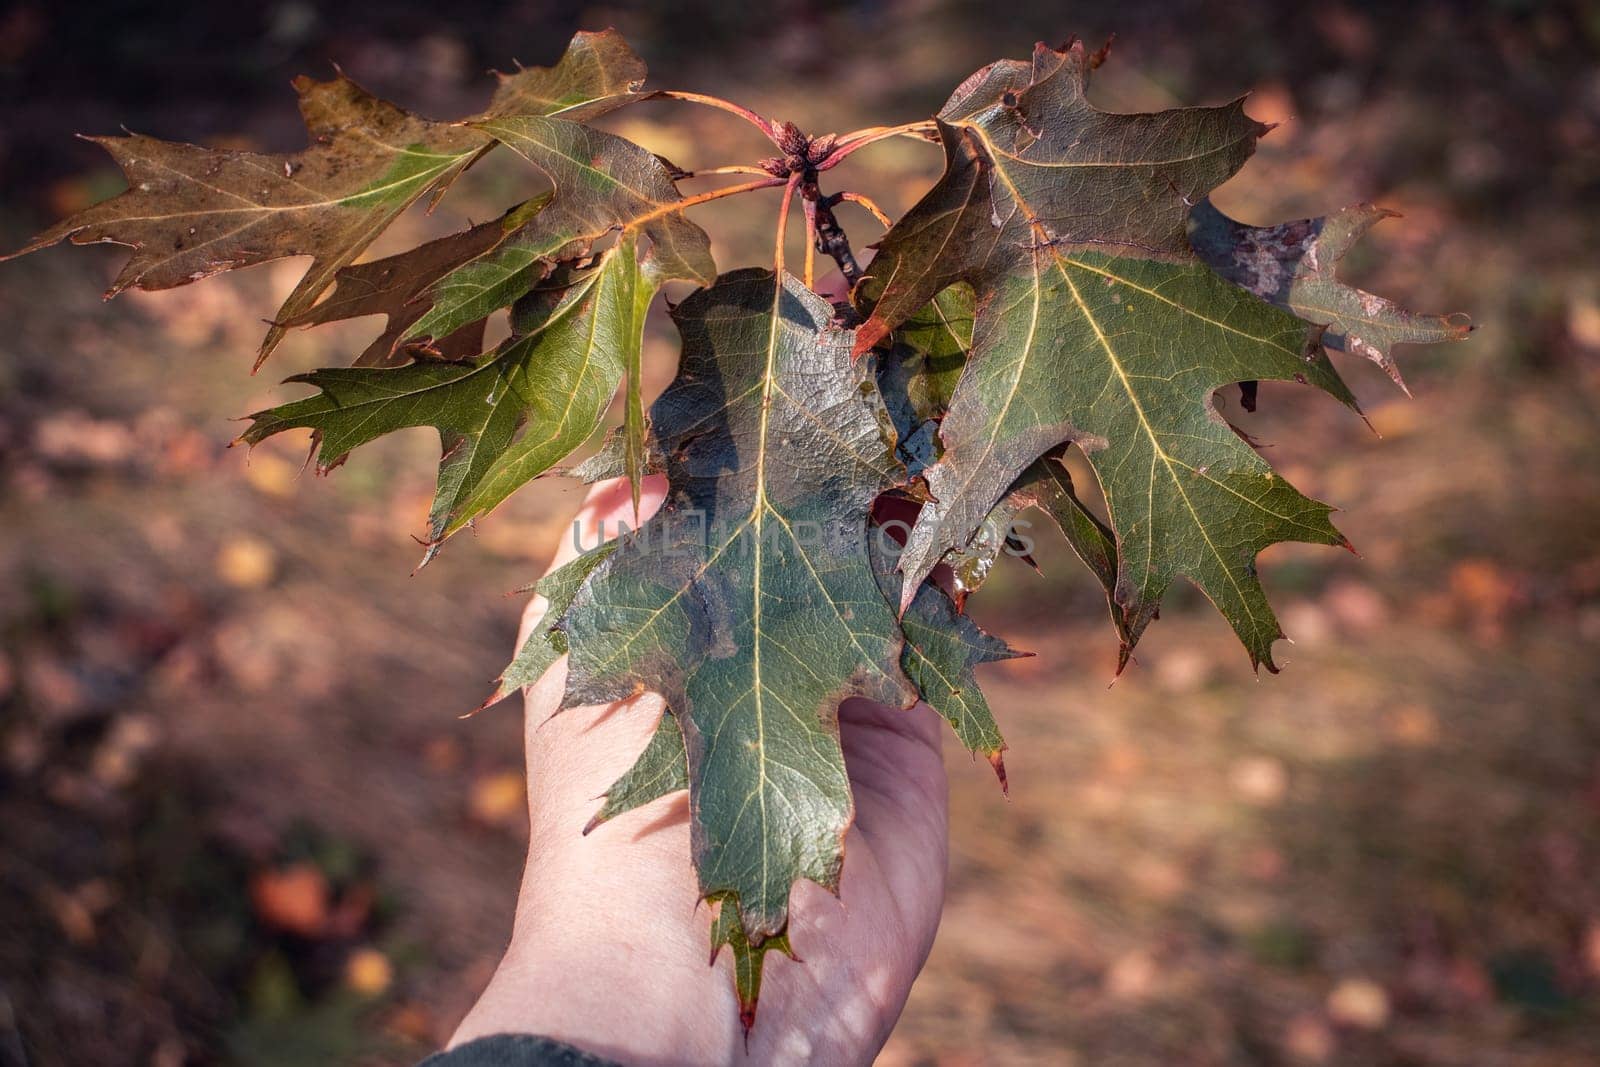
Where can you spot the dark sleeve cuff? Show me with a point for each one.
(515, 1050)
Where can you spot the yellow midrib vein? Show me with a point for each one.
(1155, 443)
(758, 514)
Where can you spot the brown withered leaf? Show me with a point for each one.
(1292, 265)
(603, 183)
(397, 288)
(190, 212)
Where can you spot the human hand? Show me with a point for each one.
(609, 948)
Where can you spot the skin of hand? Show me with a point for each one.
(610, 942)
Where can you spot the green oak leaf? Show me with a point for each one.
(504, 419)
(662, 768)
(748, 958)
(190, 212)
(636, 451)
(546, 643)
(1096, 324)
(749, 601)
(918, 372)
(941, 336)
(569, 404)
(1047, 485)
(942, 648)
(612, 459)
(1292, 265)
(917, 375)
(602, 184)
(931, 349)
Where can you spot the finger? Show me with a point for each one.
(896, 767)
(611, 502)
(573, 757)
(919, 722)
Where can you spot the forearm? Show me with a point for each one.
(608, 952)
(604, 991)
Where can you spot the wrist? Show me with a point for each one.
(610, 944)
(611, 959)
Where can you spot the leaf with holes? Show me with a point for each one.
(190, 212)
(1097, 324)
(1292, 266)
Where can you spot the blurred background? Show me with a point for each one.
(240, 822)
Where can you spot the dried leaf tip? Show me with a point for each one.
(997, 761)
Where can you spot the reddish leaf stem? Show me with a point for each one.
(856, 140)
(811, 244)
(783, 222)
(706, 197)
(732, 168)
(867, 202)
(767, 127)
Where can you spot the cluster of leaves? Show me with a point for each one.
(1066, 282)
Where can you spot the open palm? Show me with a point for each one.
(610, 944)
